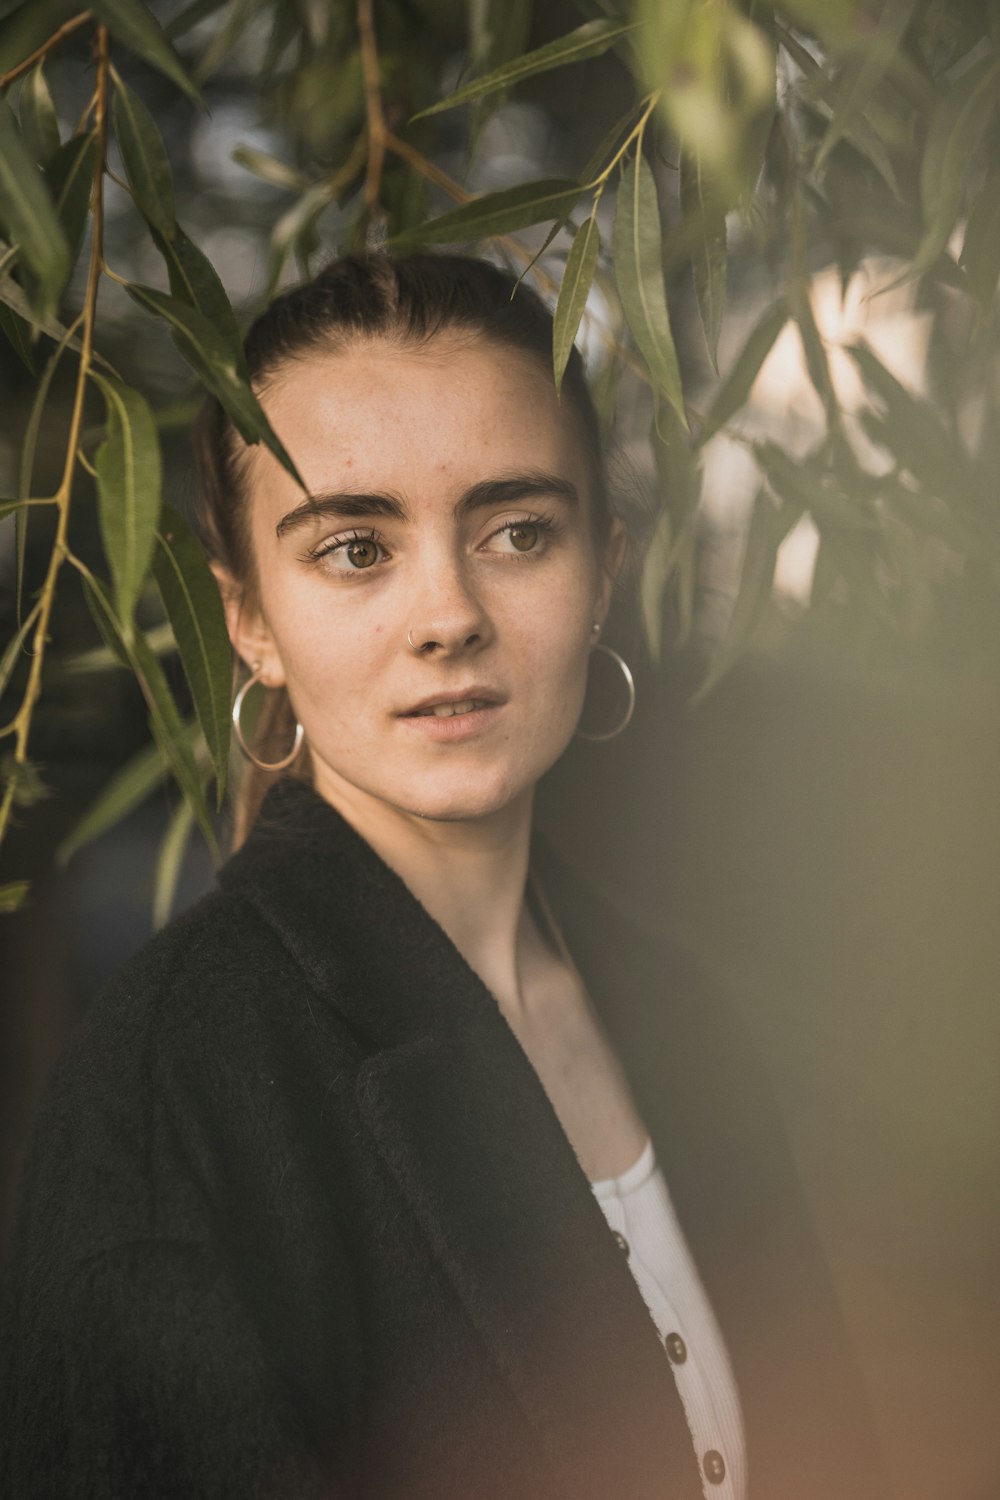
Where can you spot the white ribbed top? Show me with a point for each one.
(638, 1209)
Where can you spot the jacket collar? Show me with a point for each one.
(464, 1126)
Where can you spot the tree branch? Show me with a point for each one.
(29, 62)
(374, 113)
(21, 724)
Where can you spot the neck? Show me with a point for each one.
(470, 875)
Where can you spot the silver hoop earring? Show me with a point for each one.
(262, 765)
(612, 734)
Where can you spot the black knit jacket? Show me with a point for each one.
(299, 1221)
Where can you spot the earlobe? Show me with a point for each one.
(248, 632)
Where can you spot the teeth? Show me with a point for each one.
(448, 710)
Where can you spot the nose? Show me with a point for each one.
(447, 617)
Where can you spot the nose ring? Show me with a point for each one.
(409, 642)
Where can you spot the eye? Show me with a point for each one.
(355, 553)
(526, 535)
(361, 554)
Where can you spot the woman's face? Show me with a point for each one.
(448, 502)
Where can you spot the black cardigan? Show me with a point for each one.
(300, 1221)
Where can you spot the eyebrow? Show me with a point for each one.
(351, 505)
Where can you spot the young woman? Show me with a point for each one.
(402, 1166)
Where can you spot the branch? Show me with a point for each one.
(21, 724)
(64, 31)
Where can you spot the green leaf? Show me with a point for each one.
(863, 74)
(135, 26)
(27, 212)
(18, 335)
(205, 349)
(194, 608)
(70, 176)
(194, 280)
(981, 248)
(768, 529)
(496, 213)
(129, 488)
(169, 862)
(13, 894)
(590, 40)
(8, 507)
(709, 258)
(169, 731)
(734, 389)
(498, 31)
(13, 649)
(920, 441)
(638, 261)
(955, 131)
(573, 293)
(128, 789)
(105, 659)
(678, 473)
(271, 169)
(147, 165)
(39, 121)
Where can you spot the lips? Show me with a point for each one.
(449, 710)
(451, 705)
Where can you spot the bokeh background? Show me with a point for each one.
(822, 827)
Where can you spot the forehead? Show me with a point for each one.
(434, 416)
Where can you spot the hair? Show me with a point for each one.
(355, 298)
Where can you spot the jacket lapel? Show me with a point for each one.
(461, 1121)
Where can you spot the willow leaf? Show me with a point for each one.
(193, 279)
(37, 113)
(129, 490)
(28, 214)
(168, 729)
(13, 894)
(70, 176)
(147, 165)
(734, 389)
(14, 648)
(194, 609)
(169, 861)
(497, 213)
(128, 789)
(956, 129)
(207, 352)
(29, 26)
(862, 76)
(980, 257)
(638, 260)
(589, 40)
(135, 26)
(709, 259)
(573, 293)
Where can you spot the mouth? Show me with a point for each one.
(450, 710)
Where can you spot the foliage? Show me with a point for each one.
(793, 136)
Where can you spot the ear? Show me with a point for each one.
(610, 565)
(248, 630)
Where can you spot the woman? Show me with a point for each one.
(401, 1166)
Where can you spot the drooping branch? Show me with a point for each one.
(21, 724)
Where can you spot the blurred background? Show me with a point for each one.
(822, 824)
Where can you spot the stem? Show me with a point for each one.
(64, 31)
(21, 723)
(636, 133)
(377, 130)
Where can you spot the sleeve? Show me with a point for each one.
(140, 1374)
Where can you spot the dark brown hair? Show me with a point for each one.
(358, 297)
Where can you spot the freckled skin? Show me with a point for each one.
(423, 424)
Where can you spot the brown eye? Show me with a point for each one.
(361, 553)
(523, 536)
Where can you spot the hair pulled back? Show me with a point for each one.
(355, 298)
